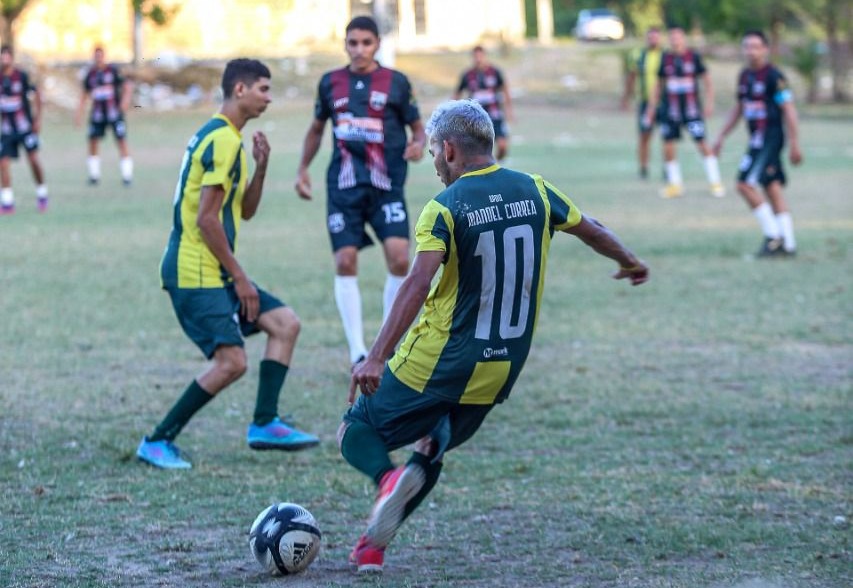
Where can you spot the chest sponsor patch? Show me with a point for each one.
(361, 129)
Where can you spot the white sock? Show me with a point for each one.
(673, 173)
(786, 227)
(41, 191)
(348, 299)
(712, 170)
(392, 284)
(768, 222)
(7, 197)
(94, 165)
(126, 166)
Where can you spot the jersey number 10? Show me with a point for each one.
(509, 302)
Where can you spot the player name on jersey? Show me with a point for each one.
(491, 214)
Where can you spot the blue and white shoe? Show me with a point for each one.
(161, 454)
(279, 435)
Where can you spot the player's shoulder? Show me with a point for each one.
(397, 76)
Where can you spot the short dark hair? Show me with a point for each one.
(756, 33)
(363, 23)
(7, 49)
(243, 70)
(478, 49)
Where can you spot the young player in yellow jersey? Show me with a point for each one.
(490, 230)
(215, 301)
(643, 74)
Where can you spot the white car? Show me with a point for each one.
(599, 24)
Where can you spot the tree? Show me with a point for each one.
(153, 11)
(10, 10)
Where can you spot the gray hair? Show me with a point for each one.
(465, 123)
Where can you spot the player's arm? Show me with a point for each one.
(709, 94)
(654, 100)
(604, 242)
(792, 127)
(410, 299)
(213, 235)
(310, 146)
(510, 114)
(630, 81)
(37, 108)
(261, 155)
(415, 147)
(126, 94)
(81, 107)
(731, 122)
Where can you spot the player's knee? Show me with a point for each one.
(233, 363)
(398, 265)
(287, 324)
(346, 263)
(744, 189)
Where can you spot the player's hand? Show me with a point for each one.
(248, 296)
(303, 184)
(260, 148)
(366, 376)
(414, 151)
(795, 155)
(638, 274)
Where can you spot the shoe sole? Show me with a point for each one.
(161, 467)
(388, 514)
(370, 569)
(266, 446)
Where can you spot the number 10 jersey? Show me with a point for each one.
(494, 227)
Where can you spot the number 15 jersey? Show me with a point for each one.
(494, 227)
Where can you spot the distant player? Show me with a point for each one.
(643, 67)
(20, 123)
(490, 231)
(370, 107)
(110, 93)
(678, 97)
(767, 104)
(487, 85)
(216, 303)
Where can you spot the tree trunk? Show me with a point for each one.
(545, 21)
(137, 37)
(839, 54)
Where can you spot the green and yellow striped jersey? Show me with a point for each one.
(494, 226)
(214, 157)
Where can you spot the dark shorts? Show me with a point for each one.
(763, 166)
(211, 316)
(401, 415)
(98, 130)
(349, 211)
(501, 128)
(9, 144)
(670, 129)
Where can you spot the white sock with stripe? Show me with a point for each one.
(7, 197)
(769, 225)
(712, 169)
(673, 173)
(126, 166)
(348, 299)
(392, 285)
(94, 166)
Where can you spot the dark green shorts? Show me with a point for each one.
(401, 415)
(211, 316)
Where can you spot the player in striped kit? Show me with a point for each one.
(370, 107)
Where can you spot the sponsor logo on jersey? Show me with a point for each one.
(336, 222)
(489, 352)
(378, 100)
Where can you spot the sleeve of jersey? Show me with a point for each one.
(321, 106)
(410, 104)
(217, 158)
(432, 232)
(700, 65)
(564, 213)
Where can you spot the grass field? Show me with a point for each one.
(695, 431)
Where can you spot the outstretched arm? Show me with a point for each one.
(630, 80)
(410, 298)
(310, 146)
(604, 242)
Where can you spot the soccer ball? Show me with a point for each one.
(284, 538)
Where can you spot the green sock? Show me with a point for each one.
(190, 402)
(270, 381)
(432, 471)
(363, 448)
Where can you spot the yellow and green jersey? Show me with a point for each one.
(646, 64)
(494, 227)
(214, 157)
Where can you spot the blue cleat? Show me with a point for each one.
(161, 454)
(279, 435)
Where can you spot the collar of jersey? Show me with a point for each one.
(228, 120)
(481, 172)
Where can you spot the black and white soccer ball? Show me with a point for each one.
(284, 538)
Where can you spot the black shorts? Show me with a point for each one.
(642, 127)
(670, 129)
(9, 144)
(501, 128)
(211, 316)
(401, 415)
(763, 166)
(350, 210)
(98, 130)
